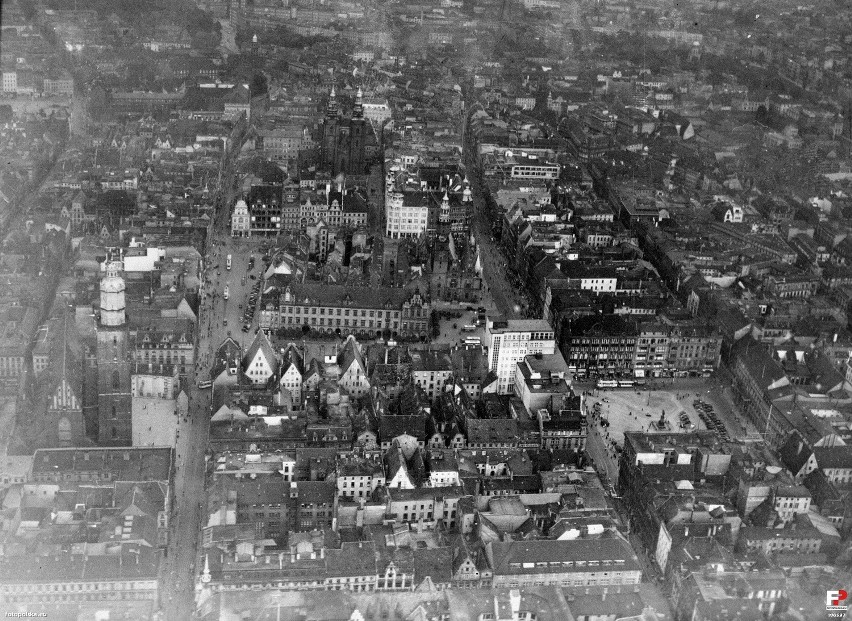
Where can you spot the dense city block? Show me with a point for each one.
(435, 310)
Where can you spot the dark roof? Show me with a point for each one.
(353, 559)
(392, 426)
(759, 362)
(133, 561)
(342, 295)
(120, 464)
(729, 609)
(833, 457)
(504, 555)
(491, 430)
(594, 603)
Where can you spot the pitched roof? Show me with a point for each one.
(526, 557)
(833, 457)
(391, 427)
(261, 344)
(491, 430)
(350, 355)
(292, 357)
(227, 355)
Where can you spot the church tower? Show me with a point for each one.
(329, 131)
(112, 296)
(357, 137)
(114, 401)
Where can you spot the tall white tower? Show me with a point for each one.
(112, 296)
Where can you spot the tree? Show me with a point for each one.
(306, 329)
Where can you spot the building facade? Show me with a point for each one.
(510, 341)
(329, 308)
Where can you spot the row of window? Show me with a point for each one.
(365, 323)
(345, 312)
(75, 587)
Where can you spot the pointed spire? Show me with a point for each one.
(205, 575)
(358, 108)
(331, 108)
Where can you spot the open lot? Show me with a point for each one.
(637, 410)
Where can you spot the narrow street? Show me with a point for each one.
(494, 269)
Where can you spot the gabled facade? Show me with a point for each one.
(353, 372)
(260, 362)
(292, 373)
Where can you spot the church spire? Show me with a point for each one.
(205, 575)
(331, 108)
(358, 109)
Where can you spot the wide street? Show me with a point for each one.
(183, 563)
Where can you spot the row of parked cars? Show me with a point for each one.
(709, 418)
(248, 312)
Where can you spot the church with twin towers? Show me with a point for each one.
(345, 137)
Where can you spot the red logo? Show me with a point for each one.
(833, 599)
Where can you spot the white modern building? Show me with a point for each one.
(240, 220)
(407, 214)
(510, 341)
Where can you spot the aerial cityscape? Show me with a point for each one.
(426, 310)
